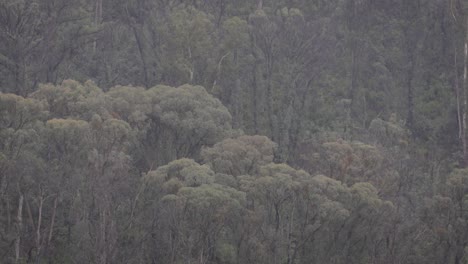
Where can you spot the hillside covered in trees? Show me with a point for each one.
(234, 131)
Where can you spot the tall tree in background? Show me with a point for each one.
(459, 12)
(197, 157)
(38, 37)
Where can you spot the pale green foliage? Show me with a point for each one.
(237, 34)
(291, 14)
(111, 133)
(20, 129)
(389, 132)
(191, 113)
(277, 181)
(226, 253)
(191, 27)
(131, 104)
(353, 111)
(196, 211)
(273, 193)
(205, 198)
(70, 98)
(458, 186)
(184, 172)
(329, 196)
(110, 142)
(329, 187)
(187, 46)
(17, 112)
(172, 122)
(353, 162)
(67, 133)
(239, 156)
(202, 216)
(67, 141)
(366, 197)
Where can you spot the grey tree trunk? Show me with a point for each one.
(19, 227)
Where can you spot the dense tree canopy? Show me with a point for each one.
(215, 131)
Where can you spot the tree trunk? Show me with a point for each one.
(291, 248)
(259, 4)
(139, 40)
(465, 99)
(52, 221)
(457, 94)
(8, 214)
(19, 226)
(255, 99)
(237, 95)
(38, 229)
(97, 20)
(409, 83)
(51, 227)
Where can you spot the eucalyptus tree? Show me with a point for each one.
(39, 37)
(191, 215)
(239, 156)
(21, 168)
(172, 122)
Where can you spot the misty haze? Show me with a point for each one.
(233, 131)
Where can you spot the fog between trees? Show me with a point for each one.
(215, 131)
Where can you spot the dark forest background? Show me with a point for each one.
(234, 131)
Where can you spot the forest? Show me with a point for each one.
(234, 131)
